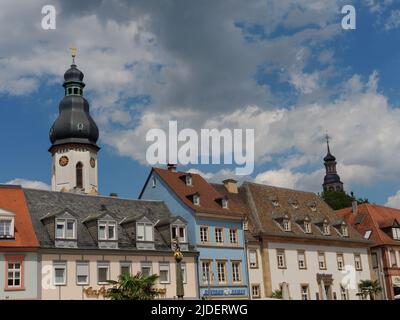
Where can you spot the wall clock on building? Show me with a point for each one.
(92, 162)
(63, 161)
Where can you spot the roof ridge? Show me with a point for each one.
(281, 188)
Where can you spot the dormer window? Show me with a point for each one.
(307, 226)
(107, 230)
(313, 207)
(6, 227)
(196, 199)
(396, 233)
(326, 229)
(144, 232)
(224, 203)
(275, 203)
(178, 232)
(294, 204)
(344, 230)
(65, 229)
(286, 224)
(188, 180)
(246, 225)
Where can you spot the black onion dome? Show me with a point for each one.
(331, 178)
(74, 124)
(73, 74)
(329, 157)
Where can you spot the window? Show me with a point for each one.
(253, 261)
(75, 90)
(15, 272)
(60, 273)
(236, 273)
(233, 236)
(393, 259)
(103, 272)
(189, 180)
(219, 232)
(65, 229)
(286, 224)
(280, 256)
(307, 226)
(321, 261)
(305, 294)
(125, 267)
(340, 261)
(255, 291)
(301, 258)
(144, 231)
(374, 258)
(179, 231)
(204, 234)
(205, 268)
(164, 272)
(153, 182)
(345, 231)
(396, 233)
(184, 274)
(79, 175)
(325, 229)
(367, 234)
(357, 262)
(107, 230)
(146, 269)
(196, 200)
(275, 203)
(246, 225)
(82, 273)
(344, 294)
(6, 227)
(224, 203)
(221, 269)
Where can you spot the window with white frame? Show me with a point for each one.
(184, 272)
(146, 269)
(307, 226)
(357, 262)
(189, 180)
(233, 236)
(107, 230)
(396, 233)
(253, 261)
(393, 258)
(246, 225)
(236, 272)
(179, 231)
(326, 229)
(224, 203)
(82, 273)
(221, 271)
(281, 259)
(14, 274)
(60, 273)
(164, 273)
(344, 230)
(103, 272)
(219, 235)
(321, 261)
(203, 234)
(6, 227)
(196, 200)
(65, 229)
(305, 294)
(255, 291)
(125, 267)
(144, 231)
(340, 261)
(286, 224)
(301, 259)
(206, 272)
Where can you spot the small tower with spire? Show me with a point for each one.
(331, 180)
(73, 137)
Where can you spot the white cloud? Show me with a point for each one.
(394, 201)
(31, 184)
(393, 21)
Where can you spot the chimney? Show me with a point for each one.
(353, 203)
(114, 195)
(231, 185)
(171, 167)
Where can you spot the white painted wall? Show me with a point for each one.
(255, 274)
(295, 276)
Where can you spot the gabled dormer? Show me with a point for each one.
(187, 179)
(103, 228)
(223, 202)
(283, 221)
(195, 198)
(341, 228)
(324, 226)
(145, 233)
(7, 223)
(305, 224)
(392, 229)
(173, 230)
(62, 227)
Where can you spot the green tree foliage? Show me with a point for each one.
(138, 287)
(277, 294)
(339, 199)
(369, 288)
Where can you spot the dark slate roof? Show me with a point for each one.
(86, 207)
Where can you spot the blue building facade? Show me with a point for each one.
(213, 227)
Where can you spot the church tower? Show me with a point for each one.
(331, 180)
(73, 138)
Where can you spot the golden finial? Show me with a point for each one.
(73, 54)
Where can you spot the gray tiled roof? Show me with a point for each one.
(85, 208)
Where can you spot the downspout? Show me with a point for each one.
(247, 268)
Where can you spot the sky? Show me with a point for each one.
(286, 69)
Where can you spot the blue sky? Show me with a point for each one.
(284, 68)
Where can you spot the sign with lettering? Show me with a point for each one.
(90, 292)
(225, 292)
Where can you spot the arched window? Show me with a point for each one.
(79, 175)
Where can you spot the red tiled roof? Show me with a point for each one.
(12, 199)
(372, 217)
(208, 194)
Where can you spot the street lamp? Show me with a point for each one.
(179, 277)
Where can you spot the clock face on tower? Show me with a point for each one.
(63, 161)
(92, 162)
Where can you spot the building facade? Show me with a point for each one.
(215, 228)
(381, 225)
(18, 247)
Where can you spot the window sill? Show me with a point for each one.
(15, 289)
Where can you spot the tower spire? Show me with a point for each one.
(332, 180)
(73, 53)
